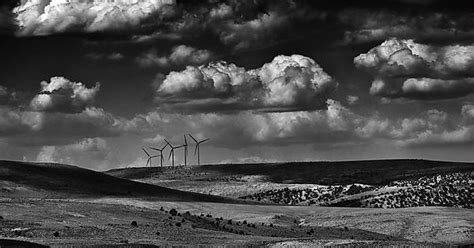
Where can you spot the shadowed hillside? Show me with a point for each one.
(374, 172)
(46, 179)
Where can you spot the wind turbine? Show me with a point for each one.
(148, 161)
(172, 151)
(185, 150)
(161, 152)
(196, 148)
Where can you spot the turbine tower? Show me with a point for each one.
(185, 150)
(148, 161)
(196, 148)
(172, 151)
(161, 152)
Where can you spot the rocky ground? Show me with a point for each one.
(449, 190)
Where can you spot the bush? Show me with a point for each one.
(56, 234)
(162, 209)
(173, 212)
(229, 222)
(158, 233)
(134, 223)
(178, 224)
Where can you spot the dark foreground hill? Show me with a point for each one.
(58, 180)
(374, 172)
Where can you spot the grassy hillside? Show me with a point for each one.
(375, 172)
(60, 180)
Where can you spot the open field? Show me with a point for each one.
(58, 205)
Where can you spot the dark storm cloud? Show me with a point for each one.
(8, 24)
(404, 68)
(368, 25)
(288, 83)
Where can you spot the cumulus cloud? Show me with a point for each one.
(63, 95)
(180, 55)
(42, 17)
(404, 68)
(287, 83)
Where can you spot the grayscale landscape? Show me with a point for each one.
(241, 205)
(236, 123)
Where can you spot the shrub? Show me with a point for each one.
(173, 212)
(56, 234)
(178, 224)
(134, 223)
(158, 233)
(229, 222)
(162, 209)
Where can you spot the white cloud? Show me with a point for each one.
(42, 17)
(63, 95)
(404, 68)
(352, 100)
(180, 55)
(291, 82)
(155, 140)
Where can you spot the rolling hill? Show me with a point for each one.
(63, 181)
(374, 172)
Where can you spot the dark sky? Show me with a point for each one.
(91, 82)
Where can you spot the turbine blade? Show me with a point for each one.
(164, 147)
(195, 149)
(185, 141)
(145, 151)
(195, 140)
(168, 143)
(156, 149)
(171, 151)
(202, 141)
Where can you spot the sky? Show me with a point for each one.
(91, 82)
